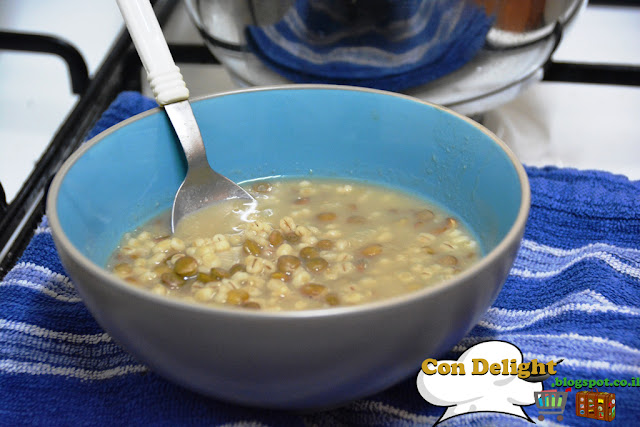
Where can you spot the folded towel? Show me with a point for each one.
(383, 44)
(573, 293)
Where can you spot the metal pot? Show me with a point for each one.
(511, 49)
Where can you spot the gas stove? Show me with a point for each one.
(63, 63)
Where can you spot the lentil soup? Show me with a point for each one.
(310, 244)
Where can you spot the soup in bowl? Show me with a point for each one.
(295, 308)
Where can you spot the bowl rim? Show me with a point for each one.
(61, 239)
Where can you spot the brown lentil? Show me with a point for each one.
(425, 215)
(288, 263)
(308, 252)
(217, 274)
(292, 237)
(448, 260)
(361, 264)
(356, 219)
(276, 238)
(237, 296)
(313, 289)
(279, 275)
(160, 269)
(186, 266)
(172, 280)
(326, 216)
(372, 250)
(251, 304)
(133, 281)
(451, 223)
(261, 187)
(122, 269)
(316, 264)
(324, 245)
(332, 299)
(301, 201)
(250, 247)
(236, 268)
(204, 278)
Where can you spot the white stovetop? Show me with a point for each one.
(583, 126)
(35, 88)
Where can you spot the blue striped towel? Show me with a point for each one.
(573, 293)
(384, 44)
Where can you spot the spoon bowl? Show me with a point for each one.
(202, 186)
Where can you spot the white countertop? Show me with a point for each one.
(35, 88)
(565, 124)
(586, 126)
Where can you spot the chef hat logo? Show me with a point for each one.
(468, 393)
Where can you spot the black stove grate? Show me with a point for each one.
(19, 219)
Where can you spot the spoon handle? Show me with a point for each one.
(164, 76)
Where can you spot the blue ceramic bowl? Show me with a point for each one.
(302, 360)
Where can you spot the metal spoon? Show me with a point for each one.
(202, 186)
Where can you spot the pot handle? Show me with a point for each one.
(505, 40)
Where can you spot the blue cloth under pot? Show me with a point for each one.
(383, 44)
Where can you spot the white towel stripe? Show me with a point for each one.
(529, 264)
(368, 56)
(612, 261)
(500, 415)
(371, 406)
(467, 342)
(587, 308)
(395, 30)
(539, 247)
(37, 331)
(41, 230)
(17, 367)
(515, 319)
(62, 353)
(590, 365)
(29, 266)
(379, 407)
(41, 288)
